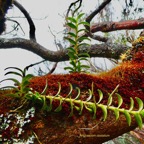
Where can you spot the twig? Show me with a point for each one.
(75, 9)
(37, 137)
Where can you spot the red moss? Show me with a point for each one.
(128, 75)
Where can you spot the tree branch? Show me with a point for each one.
(29, 19)
(97, 50)
(113, 26)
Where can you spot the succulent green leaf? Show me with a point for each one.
(59, 108)
(90, 95)
(120, 100)
(142, 113)
(72, 34)
(85, 66)
(140, 103)
(82, 38)
(71, 40)
(127, 116)
(94, 110)
(131, 104)
(116, 112)
(104, 110)
(109, 102)
(88, 108)
(100, 96)
(81, 107)
(71, 107)
(71, 89)
(82, 30)
(79, 16)
(139, 120)
(71, 49)
(84, 23)
(78, 95)
(59, 89)
(71, 25)
(45, 88)
(72, 19)
(49, 108)
(83, 44)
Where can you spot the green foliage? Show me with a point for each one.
(76, 42)
(21, 88)
(90, 104)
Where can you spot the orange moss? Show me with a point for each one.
(128, 75)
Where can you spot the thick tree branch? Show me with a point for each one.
(29, 19)
(113, 26)
(97, 50)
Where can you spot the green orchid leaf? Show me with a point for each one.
(131, 104)
(71, 40)
(116, 112)
(71, 107)
(104, 110)
(59, 89)
(82, 38)
(13, 80)
(127, 116)
(71, 25)
(88, 108)
(83, 30)
(84, 23)
(80, 16)
(72, 19)
(84, 45)
(140, 103)
(78, 95)
(120, 100)
(15, 69)
(45, 89)
(59, 108)
(15, 73)
(109, 102)
(71, 49)
(138, 120)
(94, 110)
(71, 89)
(69, 68)
(81, 107)
(90, 95)
(142, 113)
(72, 34)
(100, 96)
(49, 108)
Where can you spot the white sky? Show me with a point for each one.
(44, 13)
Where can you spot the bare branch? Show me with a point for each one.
(91, 16)
(97, 50)
(72, 4)
(29, 19)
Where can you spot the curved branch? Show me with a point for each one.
(29, 19)
(97, 50)
(113, 26)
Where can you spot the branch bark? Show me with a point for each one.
(107, 50)
(113, 26)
